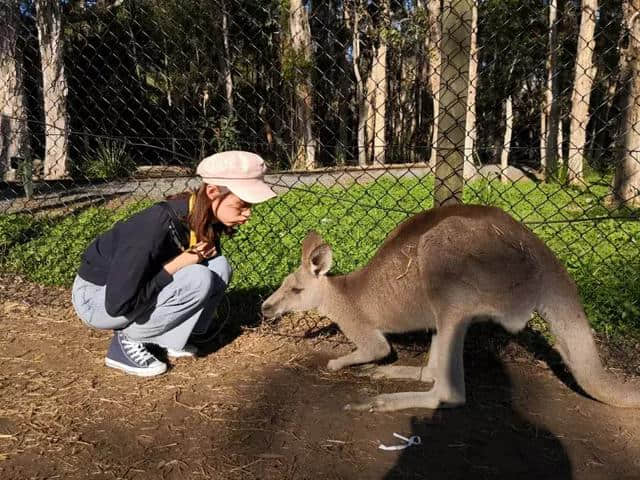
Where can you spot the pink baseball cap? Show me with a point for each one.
(241, 172)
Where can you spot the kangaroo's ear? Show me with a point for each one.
(320, 260)
(311, 241)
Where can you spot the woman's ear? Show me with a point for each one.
(211, 191)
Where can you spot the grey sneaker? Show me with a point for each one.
(132, 357)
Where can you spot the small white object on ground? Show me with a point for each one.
(413, 440)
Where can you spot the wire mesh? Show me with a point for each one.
(366, 111)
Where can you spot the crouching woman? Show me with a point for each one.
(157, 278)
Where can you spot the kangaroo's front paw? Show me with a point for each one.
(388, 402)
(379, 403)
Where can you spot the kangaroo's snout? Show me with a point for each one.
(268, 310)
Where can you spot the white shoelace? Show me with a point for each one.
(137, 351)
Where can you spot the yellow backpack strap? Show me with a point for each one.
(192, 235)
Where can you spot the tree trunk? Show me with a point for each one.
(506, 144)
(456, 35)
(470, 125)
(583, 80)
(228, 78)
(370, 100)
(353, 22)
(167, 77)
(562, 157)
(379, 79)
(54, 89)
(422, 86)
(435, 72)
(551, 113)
(14, 132)
(407, 125)
(301, 50)
(602, 139)
(626, 182)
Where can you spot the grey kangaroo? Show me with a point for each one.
(442, 270)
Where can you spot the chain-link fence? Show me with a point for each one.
(366, 111)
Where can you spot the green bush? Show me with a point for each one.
(110, 161)
(16, 229)
(53, 257)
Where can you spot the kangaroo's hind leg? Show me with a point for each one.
(448, 389)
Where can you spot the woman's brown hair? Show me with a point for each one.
(201, 219)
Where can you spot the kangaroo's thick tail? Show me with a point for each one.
(569, 324)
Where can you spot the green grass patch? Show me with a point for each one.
(602, 256)
(51, 253)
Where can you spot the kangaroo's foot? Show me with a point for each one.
(398, 372)
(355, 358)
(390, 402)
(372, 346)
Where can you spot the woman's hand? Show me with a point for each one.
(199, 252)
(203, 250)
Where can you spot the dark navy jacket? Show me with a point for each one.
(128, 259)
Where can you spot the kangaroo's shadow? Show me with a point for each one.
(486, 438)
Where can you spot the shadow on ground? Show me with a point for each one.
(487, 438)
(263, 406)
(239, 309)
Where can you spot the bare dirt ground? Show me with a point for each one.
(261, 405)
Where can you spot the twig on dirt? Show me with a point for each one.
(139, 470)
(199, 410)
(20, 359)
(597, 462)
(243, 467)
(174, 462)
(83, 442)
(109, 400)
(165, 446)
(275, 349)
(271, 456)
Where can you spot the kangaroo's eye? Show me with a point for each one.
(296, 290)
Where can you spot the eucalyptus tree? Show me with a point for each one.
(54, 88)
(456, 36)
(585, 72)
(14, 131)
(626, 183)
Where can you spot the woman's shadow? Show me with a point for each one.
(487, 438)
(239, 309)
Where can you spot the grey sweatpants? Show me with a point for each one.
(184, 306)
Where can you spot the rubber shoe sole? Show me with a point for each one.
(189, 351)
(157, 369)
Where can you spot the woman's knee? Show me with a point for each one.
(203, 281)
(197, 280)
(221, 267)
